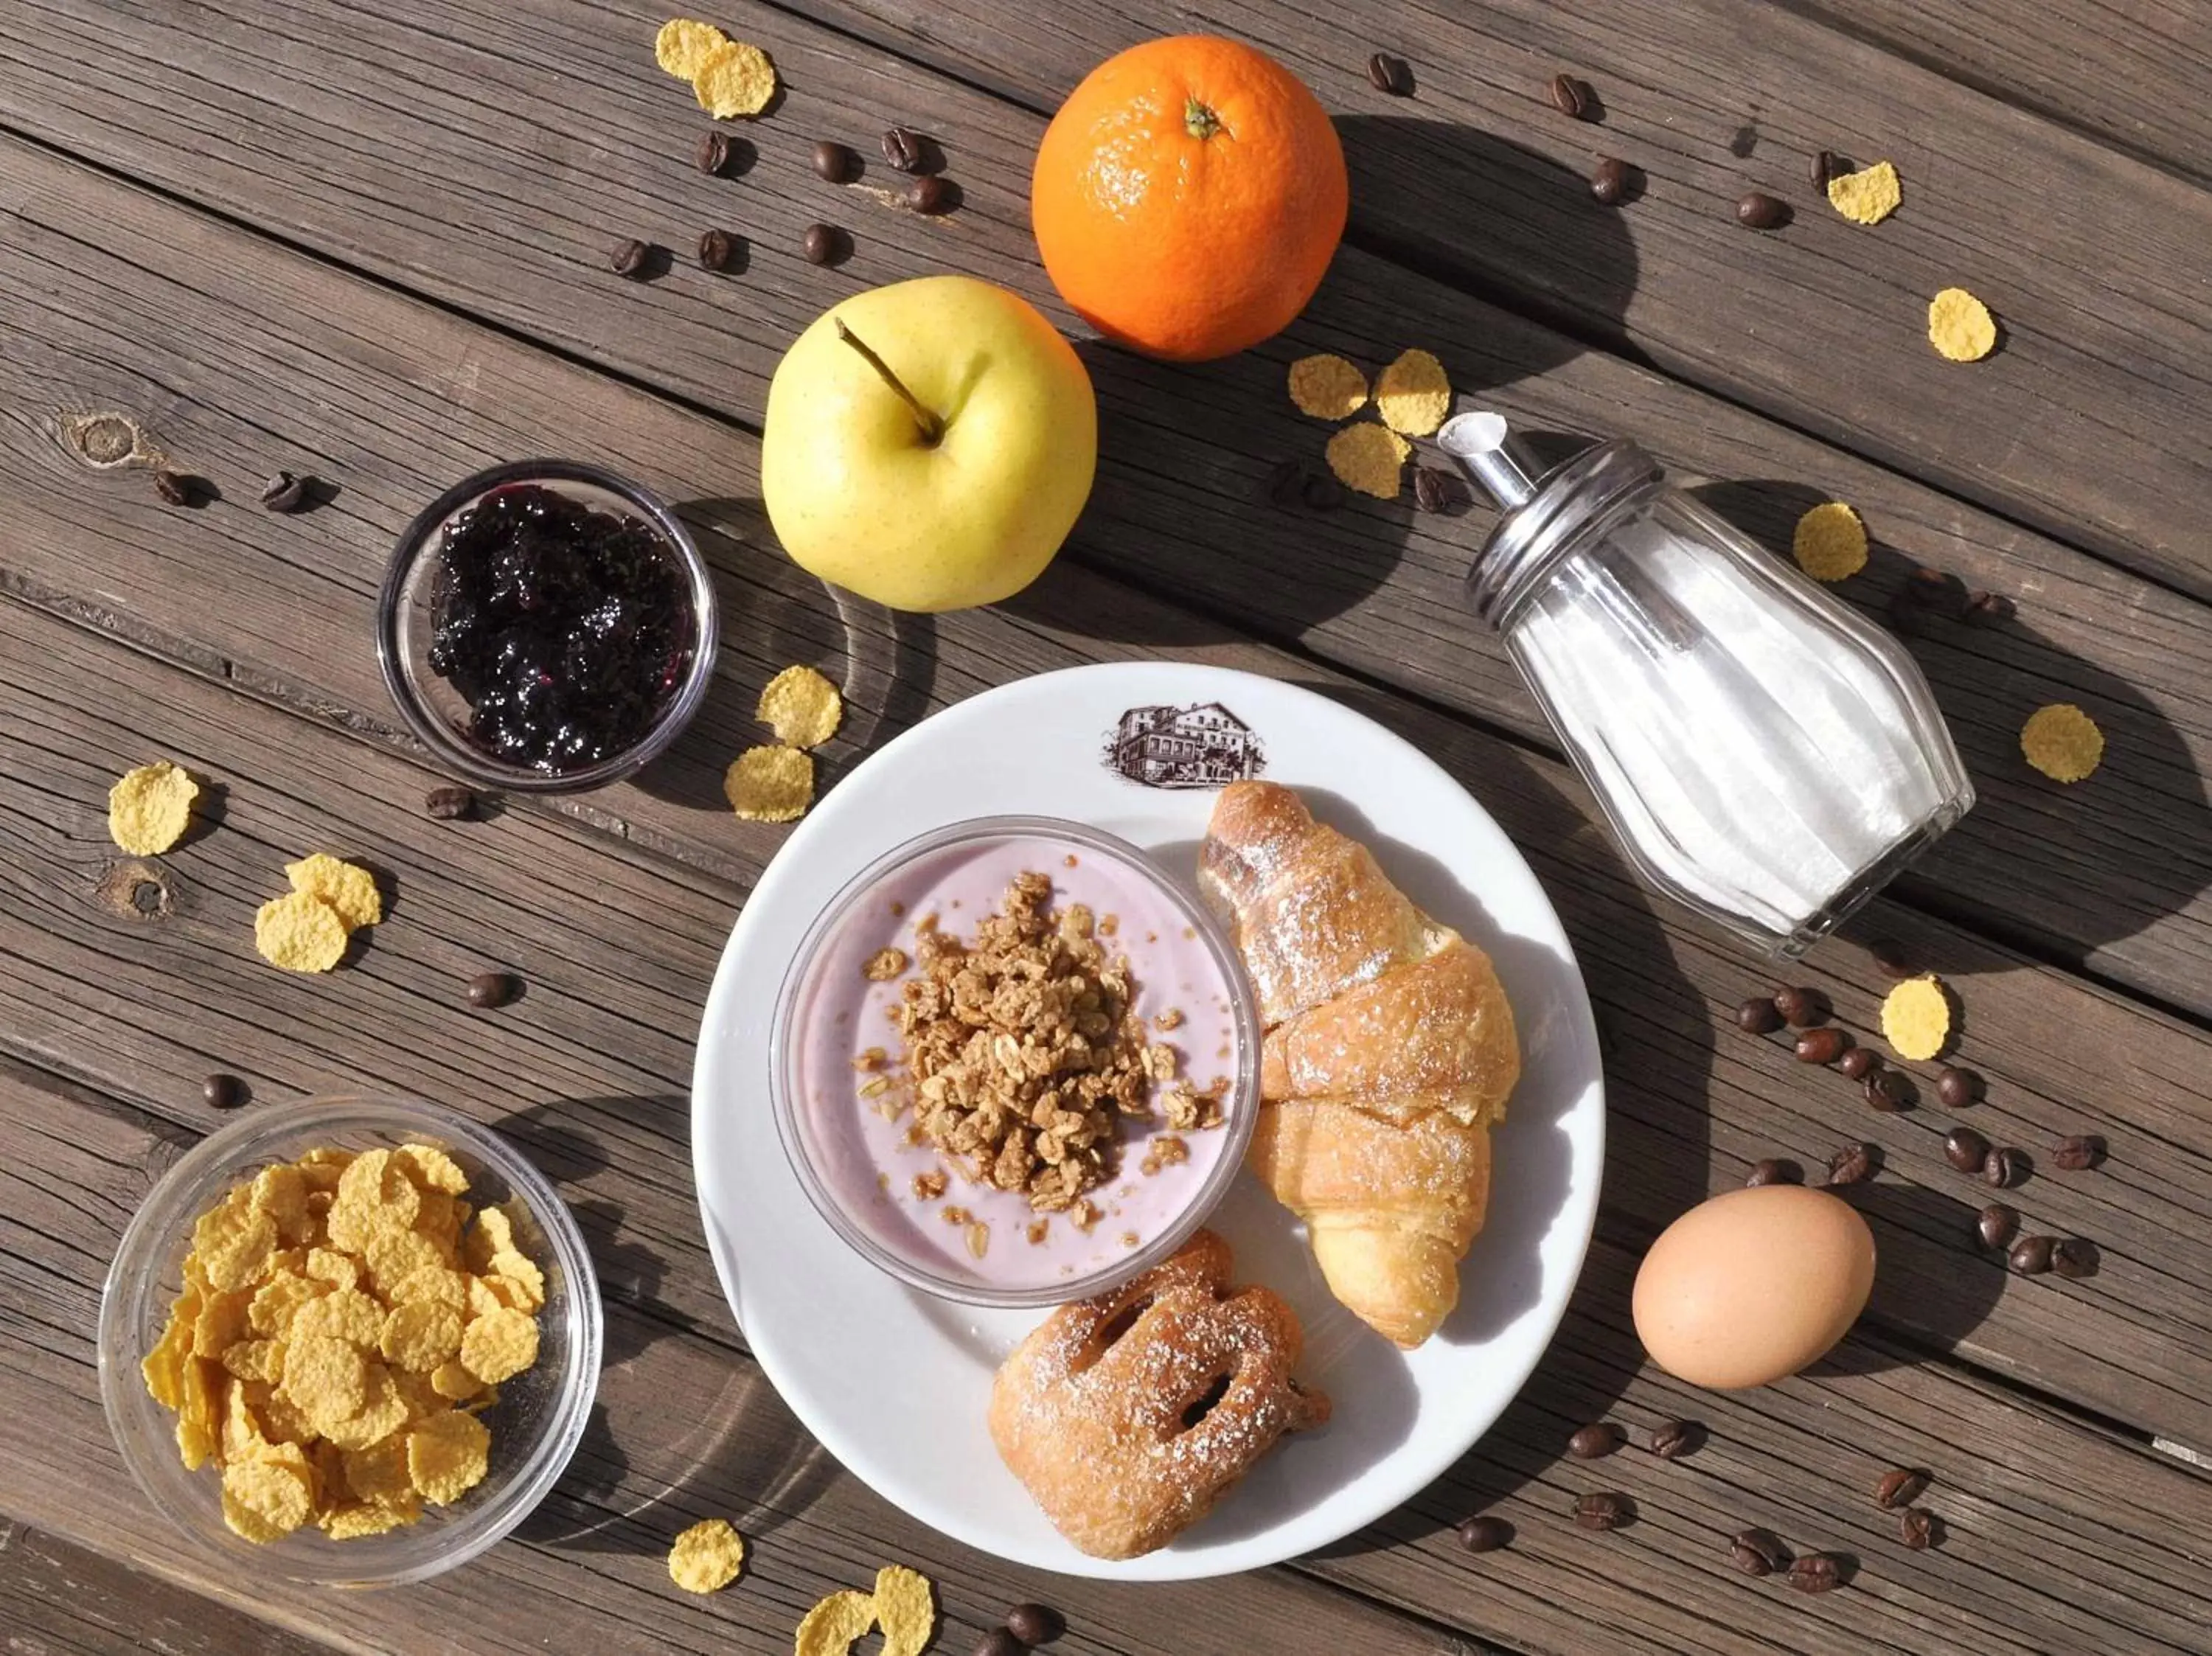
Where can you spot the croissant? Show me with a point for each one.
(1389, 1054)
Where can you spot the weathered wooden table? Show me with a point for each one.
(371, 242)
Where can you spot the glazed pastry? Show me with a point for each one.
(1127, 1415)
(1389, 1054)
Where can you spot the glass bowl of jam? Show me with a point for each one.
(547, 626)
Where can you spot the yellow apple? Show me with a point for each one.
(928, 444)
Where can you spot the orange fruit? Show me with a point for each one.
(1188, 197)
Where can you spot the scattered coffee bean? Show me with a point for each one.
(1816, 1572)
(286, 492)
(1485, 1534)
(1595, 1441)
(2078, 1153)
(1916, 1527)
(1609, 180)
(1891, 958)
(1901, 1486)
(1802, 1007)
(905, 149)
(490, 989)
(1889, 1091)
(835, 162)
(1435, 490)
(1773, 1170)
(1965, 1149)
(930, 195)
(449, 805)
(177, 488)
(1757, 210)
(2075, 1257)
(1998, 1224)
(1859, 1063)
(2031, 1256)
(1821, 1045)
(820, 244)
(1759, 1015)
(1034, 1624)
(719, 250)
(223, 1092)
(714, 154)
(1391, 74)
(1990, 610)
(2003, 1167)
(1572, 97)
(1825, 167)
(1758, 1552)
(1001, 1642)
(1935, 591)
(1854, 1164)
(1321, 492)
(1603, 1509)
(1672, 1439)
(1958, 1086)
(631, 258)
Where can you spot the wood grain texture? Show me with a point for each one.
(1374, 587)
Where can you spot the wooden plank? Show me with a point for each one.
(2041, 1546)
(1374, 588)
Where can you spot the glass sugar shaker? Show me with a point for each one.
(1764, 754)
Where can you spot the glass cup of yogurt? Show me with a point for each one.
(843, 1095)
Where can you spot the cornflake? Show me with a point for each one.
(684, 44)
(1830, 542)
(1369, 457)
(708, 1556)
(770, 784)
(801, 707)
(2062, 742)
(1868, 196)
(1960, 327)
(1916, 1018)
(150, 807)
(348, 887)
(906, 1609)
(300, 933)
(1414, 394)
(1327, 387)
(735, 79)
(830, 1627)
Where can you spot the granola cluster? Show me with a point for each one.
(1023, 1052)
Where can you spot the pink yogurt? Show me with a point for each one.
(865, 1160)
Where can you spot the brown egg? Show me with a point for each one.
(1752, 1285)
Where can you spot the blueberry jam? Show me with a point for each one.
(566, 629)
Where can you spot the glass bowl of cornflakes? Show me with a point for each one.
(351, 1340)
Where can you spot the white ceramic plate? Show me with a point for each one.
(895, 1382)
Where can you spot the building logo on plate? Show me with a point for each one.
(1203, 746)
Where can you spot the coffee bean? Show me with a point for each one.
(1916, 1527)
(1816, 1572)
(1854, 1164)
(2075, 1257)
(2031, 1256)
(1998, 1224)
(285, 491)
(1391, 74)
(1821, 1045)
(905, 149)
(834, 162)
(1572, 98)
(1859, 1063)
(714, 154)
(1935, 591)
(1899, 1486)
(1758, 1552)
(1825, 167)
(223, 1092)
(177, 488)
(2003, 1167)
(932, 196)
(1034, 1624)
(821, 244)
(1890, 1091)
(1802, 1007)
(1965, 1149)
(2078, 1153)
(1610, 179)
(1672, 1439)
(1990, 610)
(1435, 490)
(1759, 1015)
(1485, 1534)
(631, 258)
(490, 989)
(719, 250)
(1595, 1441)
(1771, 1170)
(1603, 1509)
(1321, 492)
(1958, 1086)
(449, 805)
(1891, 958)
(1757, 210)
(1001, 1642)
(1282, 482)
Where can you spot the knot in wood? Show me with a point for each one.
(102, 439)
(137, 891)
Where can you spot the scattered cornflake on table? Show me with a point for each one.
(906, 1606)
(1868, 196)
(1830, 542)
(801, 707)
(708, 1556)
(1369, 457)
(683, 45)
(735, 79)
(299, 932)
(1916, 1018)
(150, 807)
(348, 887)
(770, 784)
(1414, 394)
(1327, 387)
(830, 1627)
(1960, 327)
(2062, 742)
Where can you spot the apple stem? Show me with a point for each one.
(932, 425)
